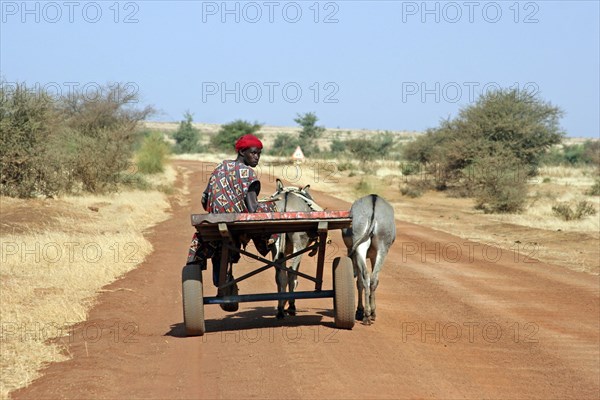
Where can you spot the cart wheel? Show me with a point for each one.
(193, 300)
(343, 287)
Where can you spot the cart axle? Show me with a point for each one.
(269, 296)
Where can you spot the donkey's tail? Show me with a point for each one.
(368, 232)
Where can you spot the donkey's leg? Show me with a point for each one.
(363, 280)
(281, 279)
(360, 309)
(296, 242)
(280, 276)
(299, 242)
(377, 264)
(292, 284)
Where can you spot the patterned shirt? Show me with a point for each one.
(227, 189)
(228, 186)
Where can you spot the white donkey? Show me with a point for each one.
(372, 233)
(291, 198)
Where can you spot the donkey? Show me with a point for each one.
(291, 198)
(372, 234)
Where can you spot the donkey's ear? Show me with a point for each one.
(278, 185)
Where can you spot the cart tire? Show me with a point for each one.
(193, 300)
(343, 287)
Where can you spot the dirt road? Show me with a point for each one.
(455, 320)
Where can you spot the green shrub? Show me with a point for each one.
(587, 153)
(344, 166)
(408, 169)
(284, 145)
(187, 137)
(370, 149)
(553, 156)
(337, 146)
(582, 209)
(573, 154)
(152, 155)
(229, 133)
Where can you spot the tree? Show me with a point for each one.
(517, 120)
(513, 126)
(522, 122)
(231, 132)
(309, 133)
(187, 137)
(370, 149)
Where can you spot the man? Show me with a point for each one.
(233, 187)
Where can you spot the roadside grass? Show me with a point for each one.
(556, 185)
(52, 270)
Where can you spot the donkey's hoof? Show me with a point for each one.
(360, 314)
(280, 314)
(291, 310)
(373, 317)
(230, 307)
(366, 321)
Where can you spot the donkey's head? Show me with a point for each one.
(280, 188)
(292, 198)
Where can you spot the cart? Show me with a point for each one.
(226, 227)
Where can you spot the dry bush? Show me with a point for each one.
(28, 122)
(416, 187)
(65, 145)
(581, 210)
(594, 190)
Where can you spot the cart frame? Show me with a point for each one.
(226, 227)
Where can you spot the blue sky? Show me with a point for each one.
(398, 65)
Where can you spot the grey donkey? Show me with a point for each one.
(291, 198)
(372, 234)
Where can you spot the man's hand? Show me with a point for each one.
(205, 201)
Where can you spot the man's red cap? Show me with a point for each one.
(248, 141)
